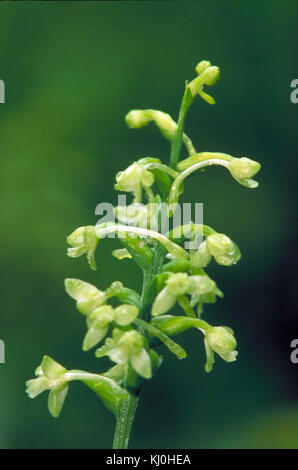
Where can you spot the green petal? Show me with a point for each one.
(36, 386)
(142, 364)
(91, 259)
(209, 357)
(164, 301)
(94, 336)
(56, 400)
(248, 183)
(208, 98)
(101, 317)
(230, 356)
(200, 285)
(125, 314)
(121, 253)
(88, 297)
(201, 257)
(76, 251)
(51, 368)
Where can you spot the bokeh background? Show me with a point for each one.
(72, 71)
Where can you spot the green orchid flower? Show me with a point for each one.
(127, 347)
(83, 240)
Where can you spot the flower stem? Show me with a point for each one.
(124, 422)
(177, 141)
(128, 407)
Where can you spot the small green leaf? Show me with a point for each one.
(111, 394)
(177, 266)
(166, 340)
(129, 296)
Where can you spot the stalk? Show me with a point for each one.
(177, 141)
(128, 408)
(124, 422)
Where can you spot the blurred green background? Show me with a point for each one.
(72, 71)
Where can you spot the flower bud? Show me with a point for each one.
(221, 340)
(137, 118)
(178, 284)
(210, 75)
(202, 66)
(166, 124)
(223, 249)
(88, 297)
(243, 168)
(164, 301)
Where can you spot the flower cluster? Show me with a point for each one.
(93, 303)
(175, 284)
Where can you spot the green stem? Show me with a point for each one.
(128, 408)
(177, 141)
(124, 422)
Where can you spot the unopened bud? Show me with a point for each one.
(202, 66)
(223, 249)
(243, 168)
(137, 118)
(221, 340)
(210, 75)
